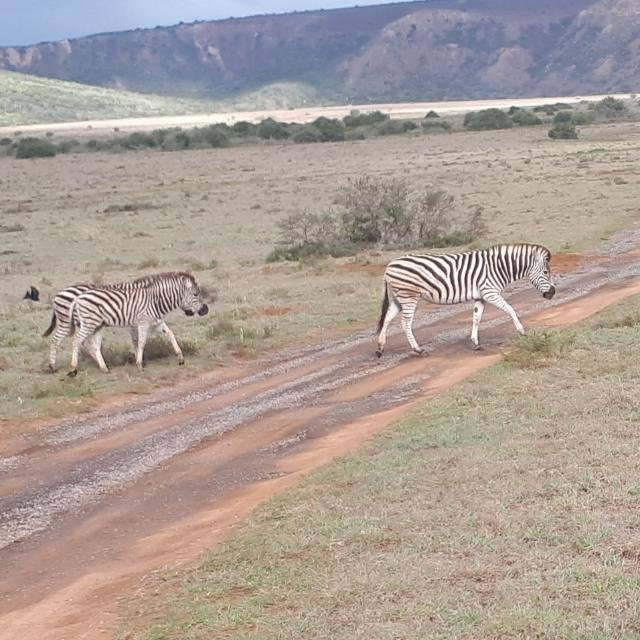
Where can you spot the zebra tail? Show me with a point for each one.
(385, 307)
(52, 326)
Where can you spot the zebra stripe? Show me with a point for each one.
(61, 316)
(141, 305)
(461, 277)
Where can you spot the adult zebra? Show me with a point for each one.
(61, 315)
(142, 307)
(461, 277)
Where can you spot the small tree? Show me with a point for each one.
(525, 118)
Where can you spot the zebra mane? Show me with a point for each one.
(168, 275)
(534, 248)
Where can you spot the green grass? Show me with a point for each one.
(28, 99)
(505, 508)
(217, 211)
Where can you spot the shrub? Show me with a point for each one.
(562, 116)
(375, 212)
(354, 135)
(547, 109)
(391, 128)
(5, 142)
(563, 131)
(436, 126)
(525, 118)
(610, 104)
(307, 134)
(581, 118)
(215, 137)
(67, 145)
(331, 130)
(175, 141)
(487, 119)
(357, 119)
(243, 128)
(270, 129)
(35, 148)
(432, 114)
(538, 349)
(139, 140)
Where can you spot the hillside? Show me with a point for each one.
(427, 50)
(26, 99)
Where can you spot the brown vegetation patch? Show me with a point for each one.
(563, 262)
(274, 311)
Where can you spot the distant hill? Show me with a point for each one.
(26, 99)
(427, 50)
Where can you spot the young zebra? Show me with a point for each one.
(460, 277)
(141, 307)
(61, 316)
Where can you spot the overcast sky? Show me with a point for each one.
(32, 21)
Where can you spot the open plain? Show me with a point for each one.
(281, 378)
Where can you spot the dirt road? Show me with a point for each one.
(300, 115)
(91, 505)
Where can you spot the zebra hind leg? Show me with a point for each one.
(95, 350)
(63, 329)
(81, 335)
(143, 331)
(408, 306)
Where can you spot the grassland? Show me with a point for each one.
(28, 99)
(487, 513)
(104, 217)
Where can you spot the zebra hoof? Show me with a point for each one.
(478, 347)
(73, 373)
(131, 359)
(181, 362)
(379, 353)
(52, 369)
(419, 352)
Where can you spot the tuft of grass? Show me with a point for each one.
(149, 263)
(538, 349)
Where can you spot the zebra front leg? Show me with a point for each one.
(143, 331)
(498, 301)
(172, 338)
(392, 311)
(478, 310)
(408, 306)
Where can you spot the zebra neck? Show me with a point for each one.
(510, 263)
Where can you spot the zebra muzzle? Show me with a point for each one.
(549, 294)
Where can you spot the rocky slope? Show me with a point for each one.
(414, 50)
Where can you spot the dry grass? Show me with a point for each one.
(216, 212)
(507, 508)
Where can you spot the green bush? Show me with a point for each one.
(331, 130)
(176, 140)
(35, 148)
(68, 145)
(525, 118)
(610, 104)
(307, 134)
(563, 131)
(547, 109)
(357, 119)
(139, 140)
(390, 128)
(581, 118)
(215, 137)
(432, 114)
(562, 116)
(5, 142)
(487, 119)
(244, 128)
(270, 129)
(436, 126)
